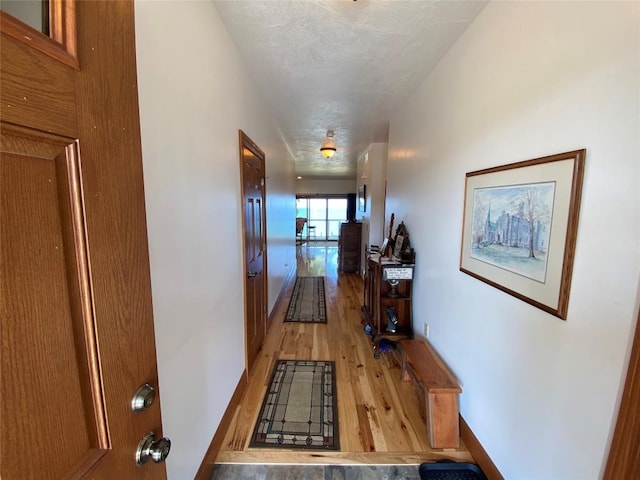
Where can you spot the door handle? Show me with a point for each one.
(150, 449)
(251, 274)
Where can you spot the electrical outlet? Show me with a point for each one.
(426, 330)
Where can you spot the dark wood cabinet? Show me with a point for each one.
(350, 247)
(387, 309)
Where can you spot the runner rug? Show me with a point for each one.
(299, 408)
(307, 303)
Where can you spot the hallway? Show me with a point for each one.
(380, 418)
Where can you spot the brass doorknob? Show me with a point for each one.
(149, 449)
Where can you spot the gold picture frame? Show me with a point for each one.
(519, 228)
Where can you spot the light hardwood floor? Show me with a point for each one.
(380, 418)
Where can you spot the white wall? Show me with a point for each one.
(372, 172)
(326, 186)
(194, 96)
(529, 79)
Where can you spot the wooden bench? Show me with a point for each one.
(440, 389)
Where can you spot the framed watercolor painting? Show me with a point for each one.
(519, 228)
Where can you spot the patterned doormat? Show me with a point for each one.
(299, 408)
(307, 304)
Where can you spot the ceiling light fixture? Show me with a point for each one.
(328, 146)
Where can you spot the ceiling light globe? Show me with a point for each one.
(328, 148)
(327, 152)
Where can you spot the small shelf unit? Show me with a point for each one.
(387, 307)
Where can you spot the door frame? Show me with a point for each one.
(624, 454)
(245, 142)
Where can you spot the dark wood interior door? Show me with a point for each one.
(252, 165)
(76, 326)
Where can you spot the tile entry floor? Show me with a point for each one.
(314, 472)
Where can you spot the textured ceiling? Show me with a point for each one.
(342, 65)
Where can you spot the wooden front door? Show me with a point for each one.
(252, 169)
(76, 327)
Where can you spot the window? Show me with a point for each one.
(325, 213)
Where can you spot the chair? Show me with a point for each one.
(300, 222)
(311, 231)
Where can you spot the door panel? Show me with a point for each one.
(29, 80)
(252, 164)
(76, 318)
(48, 341)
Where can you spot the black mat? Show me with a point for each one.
(449, 470)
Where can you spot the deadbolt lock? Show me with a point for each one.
(143, 398)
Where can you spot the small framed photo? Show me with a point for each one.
(398, 245)
(385, 246)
